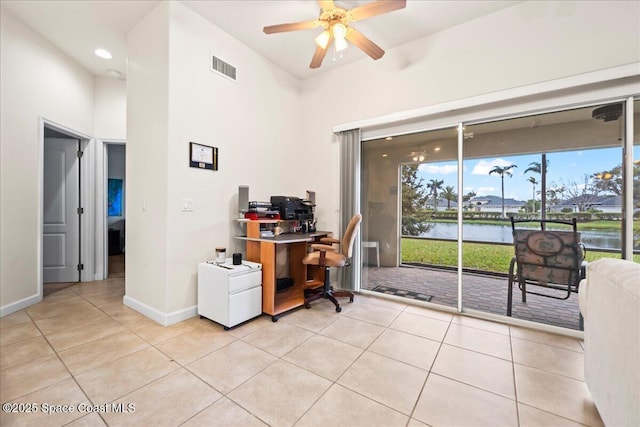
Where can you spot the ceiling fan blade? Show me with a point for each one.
(366, 45)
(294, 26)
(318, 56)
(376, 8)
(327, 4)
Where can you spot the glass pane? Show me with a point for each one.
(409, 190)
(556, 166)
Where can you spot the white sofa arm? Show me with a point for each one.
(610, 303)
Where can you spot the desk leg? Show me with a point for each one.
(268, 261)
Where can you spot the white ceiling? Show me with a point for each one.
(78, 27)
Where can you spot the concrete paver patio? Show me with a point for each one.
(480, 292)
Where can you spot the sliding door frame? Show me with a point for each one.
(608, 86)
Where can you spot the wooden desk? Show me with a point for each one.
(263, 250)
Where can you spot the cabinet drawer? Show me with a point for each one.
(245, 305)
(245, 281)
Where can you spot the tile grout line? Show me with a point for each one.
(515, 383)
(429, 372)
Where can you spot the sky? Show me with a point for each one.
(568, 167)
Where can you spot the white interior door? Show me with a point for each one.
(61, 222)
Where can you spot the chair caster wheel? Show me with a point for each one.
(338, 309)
(274, 318)
(351, 299)
(307, 306)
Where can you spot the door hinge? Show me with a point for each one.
(80, 211)
(80, 153)
(80, 267)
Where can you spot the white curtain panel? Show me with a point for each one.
(350, 172)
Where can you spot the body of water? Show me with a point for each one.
(596, 239)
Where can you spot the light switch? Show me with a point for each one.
(187, 205)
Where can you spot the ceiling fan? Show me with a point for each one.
(335, 22)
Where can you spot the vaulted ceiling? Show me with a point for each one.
(78, 27)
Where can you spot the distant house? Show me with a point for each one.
(605, 204)
(494, 204)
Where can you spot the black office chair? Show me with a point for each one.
(326, 255)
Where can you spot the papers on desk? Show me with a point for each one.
(267, 233)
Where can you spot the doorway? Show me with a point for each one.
(115, 208)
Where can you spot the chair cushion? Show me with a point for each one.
(333, 259)
(329, 240)
(548, 256)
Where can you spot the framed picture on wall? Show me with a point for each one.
(203, 156)
(114, 199)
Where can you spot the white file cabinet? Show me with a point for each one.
(229, 294)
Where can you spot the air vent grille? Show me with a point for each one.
(222, 67)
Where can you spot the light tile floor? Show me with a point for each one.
(378, 363)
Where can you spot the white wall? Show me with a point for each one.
(146, 159)
(253, 122)
(529, 43)
(37, 80)
(110, 108)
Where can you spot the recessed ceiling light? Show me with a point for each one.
(389, 138)
(103, 53)
(384, 155)
(114, 73)
(436, 149)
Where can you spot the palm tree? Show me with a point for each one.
(532, 180)
(502, 171)
(541, 169)
(434, 185)
(449, 194)
(555, 194)
(470, 195)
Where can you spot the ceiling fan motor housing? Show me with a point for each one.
(334, 16)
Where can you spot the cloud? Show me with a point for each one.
(484, 166)
(441, 169)
(485, 191)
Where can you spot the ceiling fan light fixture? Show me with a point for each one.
(339, 31)
(341, 44)
(323, 39)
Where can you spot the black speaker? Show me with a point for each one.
(237, 258)
(243, 198)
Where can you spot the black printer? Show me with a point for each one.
(293, 208)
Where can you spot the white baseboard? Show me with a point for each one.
(19, 305)
(165, 319)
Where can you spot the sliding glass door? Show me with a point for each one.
(409, 199)
(553, 165)
(559, 165)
